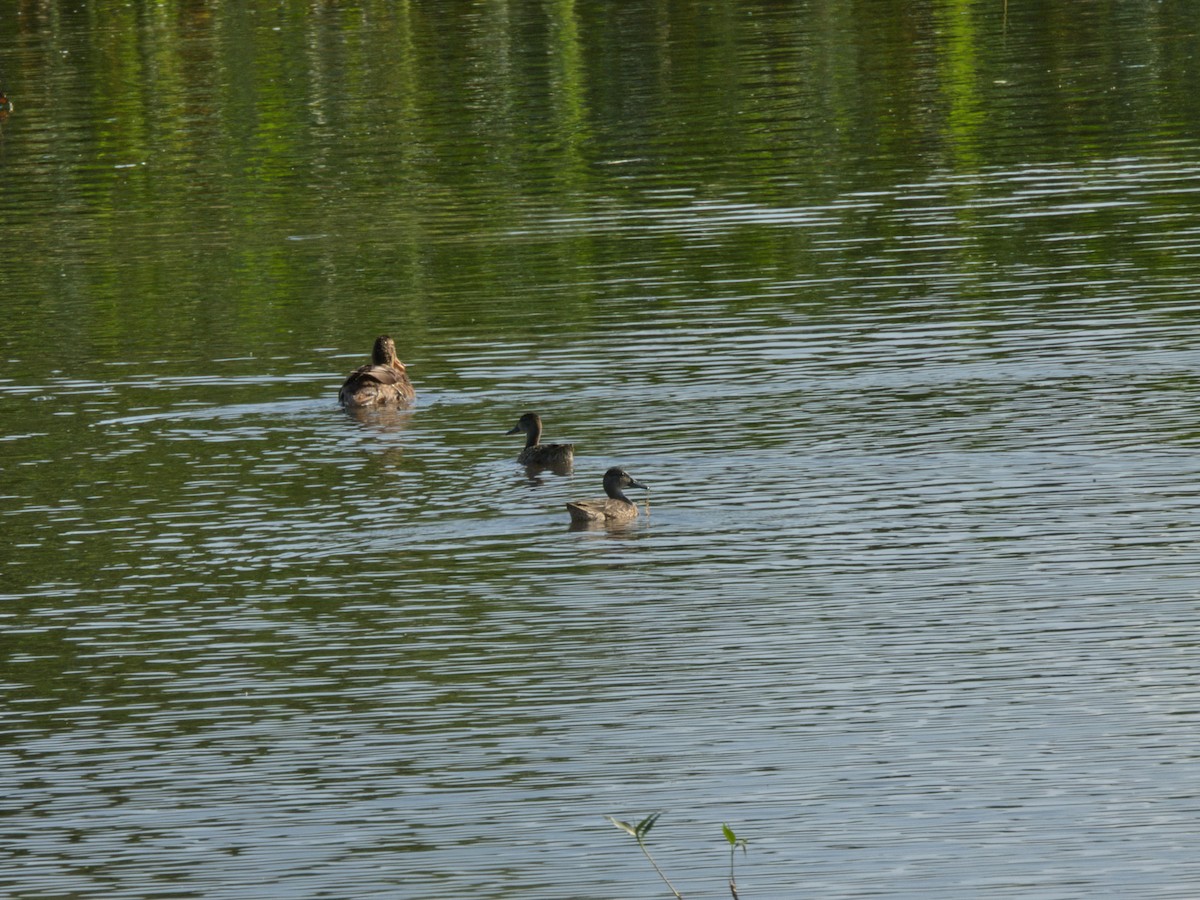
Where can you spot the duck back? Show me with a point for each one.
(606, 509)
(376, 386)
(381, 382)
(547, 455)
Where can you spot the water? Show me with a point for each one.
(906, 357)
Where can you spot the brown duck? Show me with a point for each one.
(616, 507)
(384, 382)
(536, 453)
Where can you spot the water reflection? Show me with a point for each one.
(535, 473)
(904, 346)
(388, 419)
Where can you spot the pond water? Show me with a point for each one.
(893, 312)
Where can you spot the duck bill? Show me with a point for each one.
(635, 483)
(516, 429)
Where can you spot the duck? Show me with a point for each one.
(614, 508)
(383, 382)
(535, 453)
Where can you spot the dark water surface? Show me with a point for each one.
(894, 312)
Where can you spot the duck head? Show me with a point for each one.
(384, 351)
(616, 480)
(530, 423)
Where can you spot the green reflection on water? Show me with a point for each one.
(238, 178)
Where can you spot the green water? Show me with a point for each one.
(207, 181)
(892, 307)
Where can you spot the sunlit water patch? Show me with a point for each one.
(906, 595)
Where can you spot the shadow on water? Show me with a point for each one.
(390, 419)
(613, 529)
(535, 473)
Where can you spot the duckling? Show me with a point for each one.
(616, 507)
(536, 454)
(384, 381)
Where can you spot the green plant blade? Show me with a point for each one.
(644, 826)
(624, 826)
